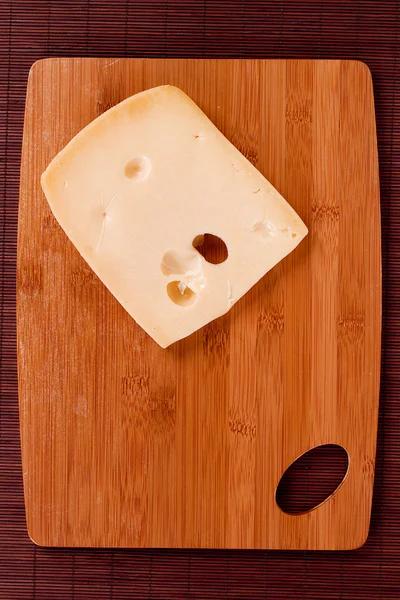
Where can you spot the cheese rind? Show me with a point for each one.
(139, 184)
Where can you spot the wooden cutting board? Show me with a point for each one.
(128, 445)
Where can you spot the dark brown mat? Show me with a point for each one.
(367, 30)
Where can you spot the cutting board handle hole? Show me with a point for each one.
(312, 479)
(211, 247)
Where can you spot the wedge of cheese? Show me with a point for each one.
(137, 189)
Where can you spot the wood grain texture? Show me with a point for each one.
(128, 445)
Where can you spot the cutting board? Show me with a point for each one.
(125, 444)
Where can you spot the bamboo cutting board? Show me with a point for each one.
(128, 445)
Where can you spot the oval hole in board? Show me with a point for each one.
(312, 479)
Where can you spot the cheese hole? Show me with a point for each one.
(211, 247)
(138, 168)
(180, 293)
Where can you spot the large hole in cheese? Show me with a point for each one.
(211, 247)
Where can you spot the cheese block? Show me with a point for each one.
(137, 190)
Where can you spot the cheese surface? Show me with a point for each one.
(138, 187)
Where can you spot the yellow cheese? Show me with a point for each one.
(137, 189)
